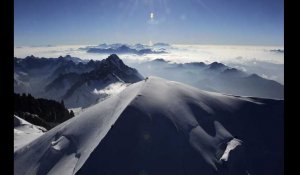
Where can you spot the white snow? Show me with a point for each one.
(25, 132)
(111, 89)
(88, 128)
(231, 145)
(60, 144)
(197, 115)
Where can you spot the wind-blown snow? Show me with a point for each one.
(111, 89)
(158, 127)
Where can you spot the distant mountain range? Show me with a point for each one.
(71, 79)
(138, 49)
(83, 83)
(277, 50)
(215, 77)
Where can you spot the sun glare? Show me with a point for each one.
(151, 15)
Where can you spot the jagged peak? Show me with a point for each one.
(65, 57)
(91, 61)
(113, 57)
(31, 57)
(216, 65)
(115, 60)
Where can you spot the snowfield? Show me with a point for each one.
(25, 132)
(159, 127)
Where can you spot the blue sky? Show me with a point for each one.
(229, 22)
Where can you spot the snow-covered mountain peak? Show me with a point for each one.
(162, 127)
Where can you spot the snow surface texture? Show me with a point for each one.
(230, 146)
(163, 127)
(25, 132)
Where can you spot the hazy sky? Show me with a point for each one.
(56, 22)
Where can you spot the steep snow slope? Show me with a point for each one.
(25, 132)
(162, 127)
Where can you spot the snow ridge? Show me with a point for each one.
(160, 127)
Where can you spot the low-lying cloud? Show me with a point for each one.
(251, 59)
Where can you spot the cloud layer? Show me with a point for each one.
(266, 61)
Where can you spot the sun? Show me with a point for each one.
(151, 15)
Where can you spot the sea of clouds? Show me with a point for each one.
(266, 61)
